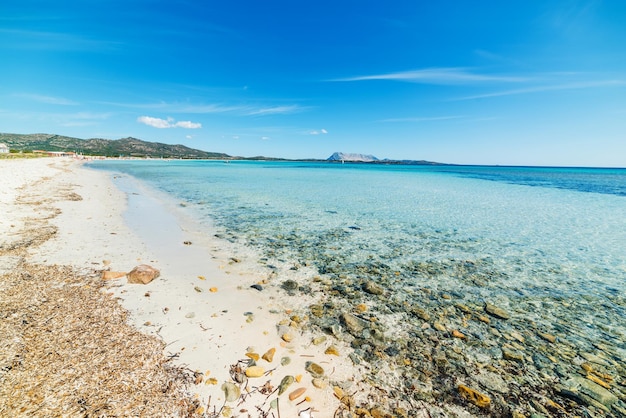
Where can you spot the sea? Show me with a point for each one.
(545, 245)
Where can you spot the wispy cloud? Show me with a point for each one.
(47, 99)
(167, 123)
(542, 88)
(320, 132)
(449, 75)
(274, 110)
(243, 110)
(29, 39)
(421, 119)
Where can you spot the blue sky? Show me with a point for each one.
(490, 82)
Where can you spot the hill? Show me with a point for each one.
(344, 156)
(131, 147)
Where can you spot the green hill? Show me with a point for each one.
(129, 147)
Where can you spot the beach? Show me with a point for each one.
(211, 324)
(311, 289)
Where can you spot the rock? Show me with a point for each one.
(231, 391)
(439, 326)
(112, 275)
(315, 369)
(512, 355)
(289, 285)
(317, 310)
(257, 287)
(548, 337)
(142, 274)
(475, 397)
(269, 355)
(354, 324)
(319, 383)
(495, 311)
(579, 385)
(285, 361)
(255, 371)
(296, 393)
(491, 380)
(372, 288)
(287, 337)
(458, 334)
(420, 313)
(285, 383)
(332, 350)
(319, 340)
(253, 356)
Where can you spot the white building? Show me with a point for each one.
(4, 148)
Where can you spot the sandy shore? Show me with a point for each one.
(202, 307)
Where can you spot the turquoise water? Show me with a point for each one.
(546, 244)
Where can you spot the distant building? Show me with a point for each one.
(4, 149)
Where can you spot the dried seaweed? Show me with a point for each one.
(66, 349)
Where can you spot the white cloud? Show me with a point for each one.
(538, 89)
(321, 131)
(265, 138)
(451, 75)
(167, 123)
(187, 124)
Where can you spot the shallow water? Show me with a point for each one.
(545, 244)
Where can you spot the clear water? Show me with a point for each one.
(546, 244)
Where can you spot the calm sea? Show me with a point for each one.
(546, 244)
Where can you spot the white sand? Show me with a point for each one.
(207, 331)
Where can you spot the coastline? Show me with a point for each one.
(203, 309)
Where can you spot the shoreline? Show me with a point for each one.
(208, 317)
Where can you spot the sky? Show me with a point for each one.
(491, 82)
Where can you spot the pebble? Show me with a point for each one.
(354, 324)
(372, 288)
(319, 383)
(439, 326)
(332, 350)
(458, 334)
(257, 287)
(315, 369)
(269, 355)
(475, 397)
(285, 383)
(496, 311)
(231, 391)
(287, 337)
(319, 340)
(296, 393)
(547, 337)
(508, 354)
(255, 371)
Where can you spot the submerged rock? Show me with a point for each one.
(496, 311)
(354, 324)
(475, 397)
(372, 288)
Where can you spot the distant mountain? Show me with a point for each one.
(344, 156)
(130, 147)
